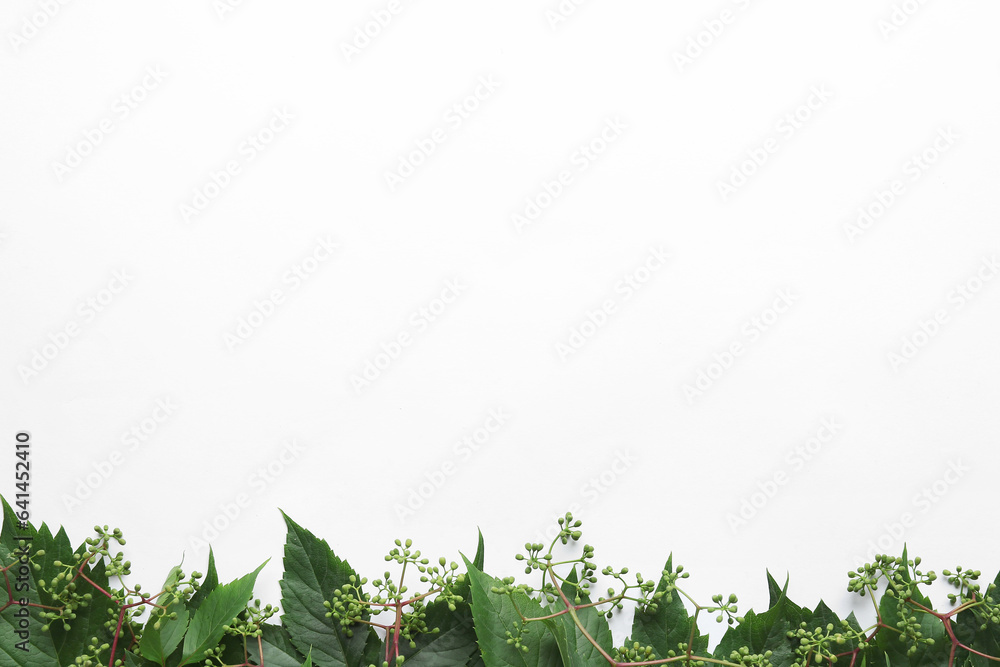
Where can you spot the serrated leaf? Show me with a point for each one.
(278, 648)
(780, 606)
(133, 660)
(158, 643)
(669, 625)
(767, 631)
(40, 652)
(453, 646)
(764, 632)
(89, 621)
(479, 560)
(494, 616)
(312, 573)
(455, 643)
(208, 583)
(574, 647)
(967, 630)
(218, 610)
(888, 640)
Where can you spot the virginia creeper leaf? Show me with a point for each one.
(574, 647)
(160, 636)
(494, 616)
(278, 648)
(217, 611)
(208, 583)
(41, 652)
(455, 643)
(669, 625)
(312, 573)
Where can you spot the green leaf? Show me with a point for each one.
(968, 631)
(12, 530)
(453, 646)
(208, 583)
(159, 642)
(39, 648)
(132, 660)
(455, 643)
(217, 611)
(574, 647)
(89, 621)
(478, 561)
(494, 616)
(765, 632)
(40, 651)
(312, 573)
(278, 648)
(890, 609)
(669, 625)
(780, 607)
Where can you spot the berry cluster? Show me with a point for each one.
(554, 585)
(74, 591)
(819, 644)
(351, 605)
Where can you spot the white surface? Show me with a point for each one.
(199, 82)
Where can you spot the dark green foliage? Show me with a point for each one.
(81, 612)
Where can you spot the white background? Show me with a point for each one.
(686, 94)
